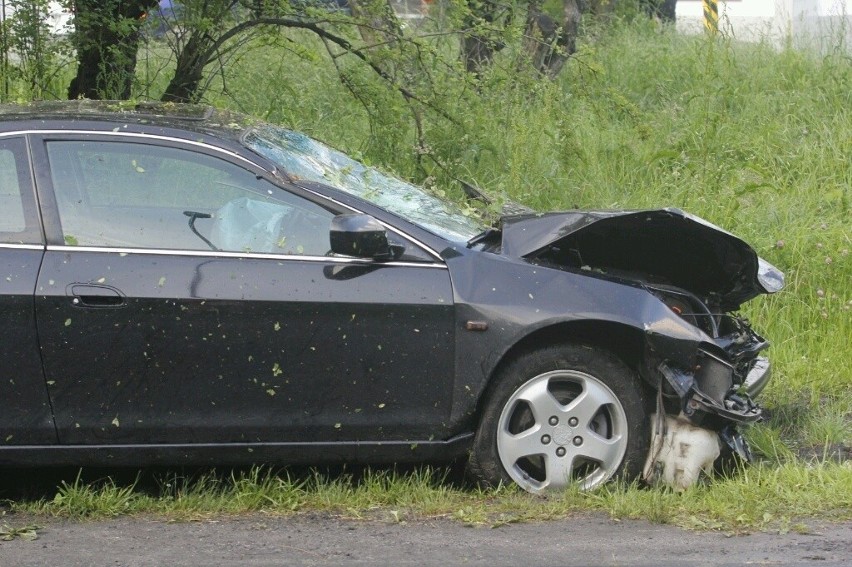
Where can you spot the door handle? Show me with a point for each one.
(96, 295)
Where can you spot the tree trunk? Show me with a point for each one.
(548, 44)
(664, 10)
(478, 48)
(189, 71)
(571, 25)
(106, 36)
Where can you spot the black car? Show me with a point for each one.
(182, 285)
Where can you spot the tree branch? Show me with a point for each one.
(326, 35)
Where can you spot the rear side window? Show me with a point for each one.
(18, 217)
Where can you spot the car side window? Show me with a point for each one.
(18, 218)
(133, 195)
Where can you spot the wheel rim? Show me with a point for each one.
(561, 428)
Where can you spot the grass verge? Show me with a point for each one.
(772, 497)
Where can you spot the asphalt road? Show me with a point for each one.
(254, 541)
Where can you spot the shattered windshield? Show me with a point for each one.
(301, 157)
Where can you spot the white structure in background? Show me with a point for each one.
(58, 17)
(819, 24)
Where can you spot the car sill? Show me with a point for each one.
(209, 454)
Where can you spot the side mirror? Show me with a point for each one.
(362, 236)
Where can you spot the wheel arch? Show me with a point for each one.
(614, 351)
(623, 341)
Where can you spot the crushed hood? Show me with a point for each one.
(661, 246)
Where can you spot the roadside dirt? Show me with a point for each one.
(257, 540)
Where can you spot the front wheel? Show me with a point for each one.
(562, 415)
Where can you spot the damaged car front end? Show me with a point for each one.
(707, 369)
(668, 280)
(674, 280)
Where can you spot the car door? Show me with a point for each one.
(25, 416)
(185, 298)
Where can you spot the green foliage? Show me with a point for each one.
(99, 499)
(32, 60)
(27, 532)
(758, 497)
(750, 137)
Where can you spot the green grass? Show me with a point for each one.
(755, 139)
(760, 497)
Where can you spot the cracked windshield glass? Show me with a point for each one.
(304, 158)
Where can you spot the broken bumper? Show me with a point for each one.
(706, 422)
(710, 395)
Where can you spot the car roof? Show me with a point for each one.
(193, 117)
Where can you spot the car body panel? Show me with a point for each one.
(236, 454)
(524, 301)
(25, 413)
(206, 349)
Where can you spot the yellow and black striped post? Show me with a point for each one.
(711, 16)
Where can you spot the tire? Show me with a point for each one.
(562, 415)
